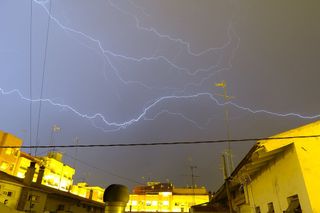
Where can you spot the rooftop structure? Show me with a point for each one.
(164, 197)
(279, 174)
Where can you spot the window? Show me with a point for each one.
(11, 167)
(270, 208)
(16, 153)
(8, 193)
(8, 151)
(165, 203)
(258, 209)
(34, 198)
(60, 207)
(293, 204)
(4, 165)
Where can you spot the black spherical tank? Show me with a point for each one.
(116, 197)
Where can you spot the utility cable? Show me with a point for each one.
(103, 170)
(43, 77)
(30, 73)
(161, 143)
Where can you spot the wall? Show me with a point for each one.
(309, 157)
(32, 200)
(9, 192)
(164, 203)
(9, 156)
(63, 204)
(6, 209)
(280, 180)
(57, 175)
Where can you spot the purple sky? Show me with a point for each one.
(141, 71)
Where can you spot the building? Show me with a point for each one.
(8, 155)
(164, 197)
(23, 163)
(57, 174)
(23, 195)
(280, 174)
(90, 192)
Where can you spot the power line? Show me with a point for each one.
(103, 170)
(43, 77)
(30, 75)
(161, 143)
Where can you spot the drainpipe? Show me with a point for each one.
(116, 198)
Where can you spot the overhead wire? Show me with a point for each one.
(103, 170)
(43, 77)
(30, 73)
(163, 143)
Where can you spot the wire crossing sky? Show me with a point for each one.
(146, 71)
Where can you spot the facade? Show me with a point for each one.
(56, 174)
(9, 156)
(23, 163)
(23, 195)
(90, 192)
(278, 175)
(164, 197)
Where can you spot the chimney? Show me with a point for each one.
(29, 174)
(40, 175)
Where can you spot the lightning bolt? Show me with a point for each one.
(177, 94)
(142, 116)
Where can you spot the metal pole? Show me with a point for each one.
(226, 181)
(226, 113)
(226, 98)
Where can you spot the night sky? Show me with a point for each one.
(142, 71)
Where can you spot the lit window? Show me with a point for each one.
(165, 193)
(4, 165)
(8, 151)
(134, 202)
(165, 203)
(154, 203)
(20, 175)
(148, 203)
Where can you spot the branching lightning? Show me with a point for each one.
(177, 95)
(142, 116)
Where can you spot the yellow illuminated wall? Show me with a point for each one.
(9, 156)
(164, 202)
(22, 165)
(79, 189)
(57, 174)
(90, 192)
(295, 172)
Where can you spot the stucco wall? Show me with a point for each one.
(309, 157)
(9, 194)
(281, 179)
